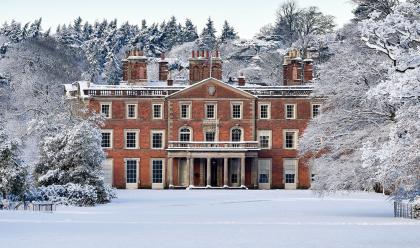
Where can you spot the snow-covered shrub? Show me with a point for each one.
(416, 208)
(71, 194)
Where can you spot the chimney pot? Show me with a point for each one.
(202, 53)
(241, 80)
(207, 54)
(170, 82)
(192, 54)
(162, 56)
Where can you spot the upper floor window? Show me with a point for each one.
(106, 139)
(316, 110)
(236, 134)
(210, 135)
(131, 139)
(131, 111)
(185, 111)
(290, 111)
(210, 111)
(264, 111)
(106, 110)
(264, 138)
(236, 110)
(157, 139)
(185, 134)
(290, 139)
(157, 111)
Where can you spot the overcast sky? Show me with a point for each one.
(247, 16)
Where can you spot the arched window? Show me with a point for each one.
(236, 134)
(185, 134)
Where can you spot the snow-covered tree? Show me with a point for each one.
(365, 7)
(189, 31)
(228, 32)
(208, 40)
(368, 131)
(12, 171)
(71, 153)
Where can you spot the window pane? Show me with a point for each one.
(315, 110)
(264, 141)
(210, 136)
(157, 140)
(131, 139)
(106, 140)
(210, 111)
(264, 170)
(157, 111)
(236, 111)
(131, 171)
(290, 111)
(236, 134)
(263, 111)
(157, 171)
(290, 139)
(131, 111)
(105, 110)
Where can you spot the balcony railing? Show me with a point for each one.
(213, 146)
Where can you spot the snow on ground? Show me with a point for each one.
(213, 218)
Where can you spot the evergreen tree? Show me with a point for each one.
(171, 33)
(228, 33)
(189, 31)
(12, 172)
(34, 29)
(208, 39)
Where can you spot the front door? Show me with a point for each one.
(216, 172)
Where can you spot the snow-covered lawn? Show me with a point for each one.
(195, 218)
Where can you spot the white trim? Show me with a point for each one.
(265, 185)
(136, 184)
(137, 131)
(294, 111)
(268, 133)
(240, 103)
(110, 109)
(191, 133)
(153, 131)
(215, 110)
(111, 138)
(295, 138)
(189, 112)
(230, 133)
(158, 185)
(296, 170)
(135, 110)
(268, 110)
(161, 111)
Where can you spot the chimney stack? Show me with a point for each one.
(241, 80)
(135, 67)
(163, 68)
(292, 68)
(200, 66)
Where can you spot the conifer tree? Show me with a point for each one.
(228, 32)
(208, 39)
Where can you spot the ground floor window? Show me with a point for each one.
(290, 170)
(157, 170)
(131, 167)
(264, 166)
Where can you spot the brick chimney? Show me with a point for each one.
(292, 68)
(135, 67)
(241, 80)
(200, 66)
(163, 68)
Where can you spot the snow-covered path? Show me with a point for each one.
(276, 218)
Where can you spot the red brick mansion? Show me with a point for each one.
(202, 132)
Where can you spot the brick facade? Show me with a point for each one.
(236, 157)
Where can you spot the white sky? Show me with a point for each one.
(247, 16)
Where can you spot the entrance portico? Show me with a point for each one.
(211, 168)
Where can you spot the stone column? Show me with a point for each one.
(208, 172)
(243, 171)
(255, 171)
(171, 172)
(191, 168)
(225, 172)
